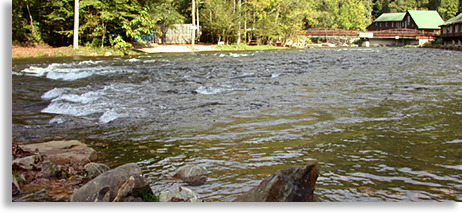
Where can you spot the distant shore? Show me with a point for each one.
(23, 52)
(38, 51)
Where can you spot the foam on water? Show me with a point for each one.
(55, 92)
(209, 90)
(65, 71)
(109, 116)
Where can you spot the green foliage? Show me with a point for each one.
(352, 15)
(119, 43)
(51, 21)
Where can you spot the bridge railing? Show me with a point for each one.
(330, 32)
(404, 33)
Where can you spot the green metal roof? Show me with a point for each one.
(390, 17)
(453, 20)
(426, 19)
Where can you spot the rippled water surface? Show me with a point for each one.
(383, 124)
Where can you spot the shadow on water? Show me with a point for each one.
(383, 124)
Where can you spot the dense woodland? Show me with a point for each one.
(117, 22)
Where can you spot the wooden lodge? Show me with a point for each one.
(414, 27)
(427, 21)
(451, 31)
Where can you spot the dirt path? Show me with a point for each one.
(40, 51)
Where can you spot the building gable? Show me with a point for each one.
(390, 17)
(426, 19)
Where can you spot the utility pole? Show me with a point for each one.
(193, 28)
(239, 24)
(76, 25)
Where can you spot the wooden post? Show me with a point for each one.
(76, 25)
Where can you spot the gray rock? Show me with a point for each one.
(180, 194)
(290, 185)
(131, 168)
(26, 163)
(134, 187)
(15, 186)
(192, 174)
(95, 169)
(106, 186)
(102, 195)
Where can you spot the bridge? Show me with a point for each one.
(385, 37)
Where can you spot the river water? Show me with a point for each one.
(382, 124)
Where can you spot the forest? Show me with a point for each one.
(117, 22)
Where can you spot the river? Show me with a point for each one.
(382, 124)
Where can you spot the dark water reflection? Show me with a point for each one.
(383, 124)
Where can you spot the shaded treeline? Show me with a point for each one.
(117, 22)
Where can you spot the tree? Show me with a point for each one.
(327, 15)
(25, 22)
(448, 8)
(124, 18)
(57, 21)
(219, 18)
(352, 15)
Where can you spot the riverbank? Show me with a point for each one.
(19, 52)
(69, 171)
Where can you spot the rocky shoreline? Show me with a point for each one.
(69, 171)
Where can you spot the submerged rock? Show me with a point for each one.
(290, 185)
(95, 169)
(180, 194)
(192, 174)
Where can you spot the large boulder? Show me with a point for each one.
(123, 183)
(290, 185)
(192, 174)
(70, 152)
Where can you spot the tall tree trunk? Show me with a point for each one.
(76, 25)
(193, 31)
(104, 33)
(32, 27)
(197, 14)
